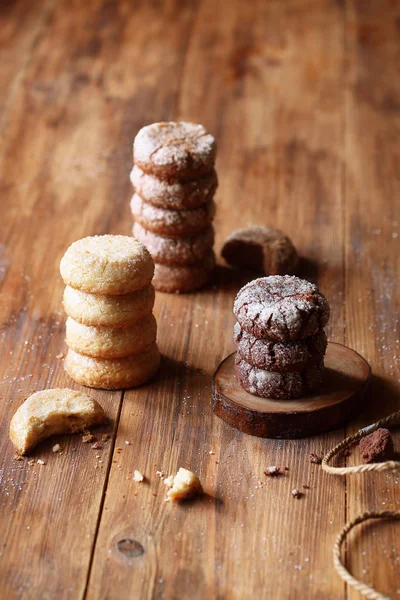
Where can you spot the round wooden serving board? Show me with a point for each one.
(346, 378)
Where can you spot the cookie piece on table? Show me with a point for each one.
(111, 342)
(174, 150)
(182, 486)
(107, 264)
(282, 357)
(183, 279)
(172, 223)
(281, 308)
(178, 251)
(51, 412)
(377, 446)
(262, 249)
(268, 384)
(114, 373)
(108, 311)
(178, 195)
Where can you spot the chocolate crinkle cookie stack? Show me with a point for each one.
(174, 181)
(111, 331)
(280, 337)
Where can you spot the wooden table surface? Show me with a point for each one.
(304, 100)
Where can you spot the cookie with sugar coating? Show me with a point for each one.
(172, 223)
(111, 342)
(184, 278)
(177, 195)
(108, 311)
(173, 150)
(113, 373)
(178, 251)
(107, 264)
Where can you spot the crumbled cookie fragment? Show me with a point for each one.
(87, 438)
(18, 457)
(296, 493)
(272, 471)
(182, 486)
(138, 476)
(56, 448)
(96, 446)
(60, 356)
(40, 461)
(377, 447)
(315, 459)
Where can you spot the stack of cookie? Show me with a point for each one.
(173, 207)
(111, 331)
(280, 338)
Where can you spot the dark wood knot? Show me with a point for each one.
(130, 548)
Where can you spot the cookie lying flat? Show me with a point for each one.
(111, 342)
(176, 278)
(179, 251)
(107, 264)
(178, 195)
(172, 223)
(281, 308)
(108, 311)
(174, 150)
(51, 412)
(268, 384)
(262, 249)
(113, 374)
(282, 357)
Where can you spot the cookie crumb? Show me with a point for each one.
(88, 437)
(377, 446)
(296, 493)
(18, 457)
(105, 437)
(138, 476)
(40, 461)
(185, 484)
(56, 448)
(160, 474)
(59, 356)
(315, 459)
(272, 471)
(127, 443)
(96, 446)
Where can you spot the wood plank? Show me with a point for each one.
(372, 190)
(273, 97)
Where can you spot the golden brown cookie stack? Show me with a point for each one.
(111, 331)
(175, 180)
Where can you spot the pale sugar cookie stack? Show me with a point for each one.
(175, 180)
(111, 331)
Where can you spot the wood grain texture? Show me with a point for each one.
(303, 99)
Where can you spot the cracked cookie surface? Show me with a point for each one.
(281, 308)
(174, 150)
(282, 357)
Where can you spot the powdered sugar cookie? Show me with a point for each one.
(268, 384)
(113, 374)
(108, 311)
(262, 249)
(111, 342)
(172, 223)
(178, 195)
(282, 357)
(179, 251)
(179, 278)
(174, 150)
(281, 308)
(107, 264)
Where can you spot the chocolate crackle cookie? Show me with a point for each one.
(281, 357)
(262, 249)
(268, 384)
(281, 308)
(174, 150)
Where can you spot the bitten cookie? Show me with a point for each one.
(262, 249)
(267, 384)
(110, 342)
(172, 223)
(175, 278)
(113, 374)
(107, 264)
(282, 357)
(179, 251)
(174, 150)
(178, 195)
(108, 311)
(281, 308)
